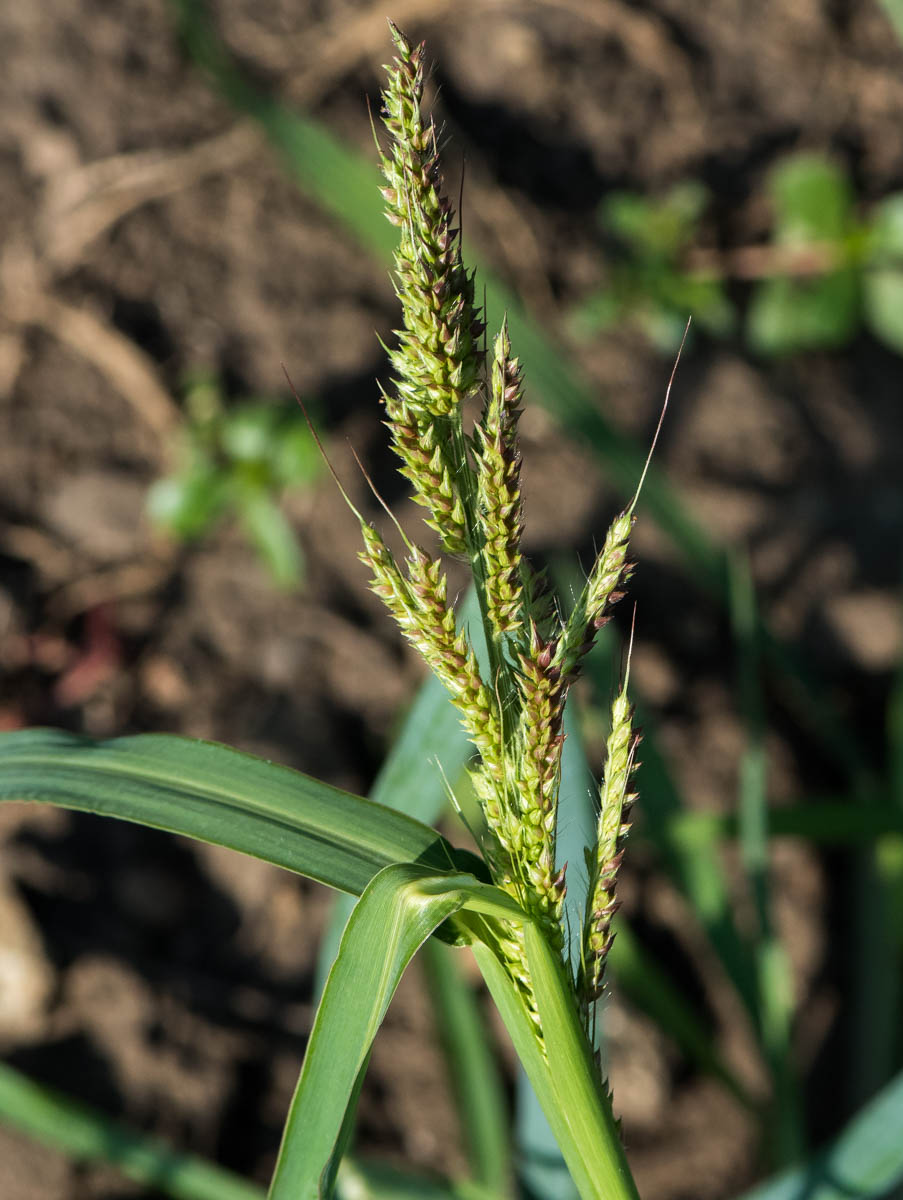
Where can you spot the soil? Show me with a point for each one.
(149, 233)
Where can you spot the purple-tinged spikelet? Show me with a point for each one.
(498, 490)
(616, 799)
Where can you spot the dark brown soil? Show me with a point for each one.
(170, 983)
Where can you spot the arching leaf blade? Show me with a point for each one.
(397, 912)
(210, 792)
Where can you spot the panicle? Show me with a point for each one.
(512, 710)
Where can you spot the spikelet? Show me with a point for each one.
(498, 490)
(437, 361)
(419, 604)
(600, 593)
(616, 799)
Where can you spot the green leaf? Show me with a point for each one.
(864, 1163)
(787, 315)
(885, 235)
(648, 987)
(578, 1108)
(207, 791)
(377, 1181)
(270, 533)
(85, 1133)
(773, 973)
(432, 748)
(566, 1080)
(481, 1102)
(894, 11)
(397, 912)
(296, 460)
(188, 503)
(812, 200)
(883, 301)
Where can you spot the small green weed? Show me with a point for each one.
(237, 462)
(825, 273)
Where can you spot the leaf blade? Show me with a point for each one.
(86, 1133)
(864, 1162)
(398, 911)
(210, 792)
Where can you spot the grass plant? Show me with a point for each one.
(540, 928)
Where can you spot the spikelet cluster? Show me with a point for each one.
(437, 361)
(499, 495)
(615, 801)
(513, 706)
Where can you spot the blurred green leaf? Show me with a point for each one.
(480, 1097)
(87, 1134)
(894, 11)
(655, 228)
(864, 1163)
(703, 299)
(786, 315)
(885, 238)
(249, 433)
(187, 504)
(296, 459)
(812, 200)
(773, 973)
(268, 528)
(883, 302)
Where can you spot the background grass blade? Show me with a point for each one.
(397, 912)
(85, 1133)
(864, 1163)
(692, 860)
(481, 1102)
(827, 822)
(644, 983)
(377, 1181)
(88, 1135)
(694, 863)
(775, 1000)
(207, 791)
